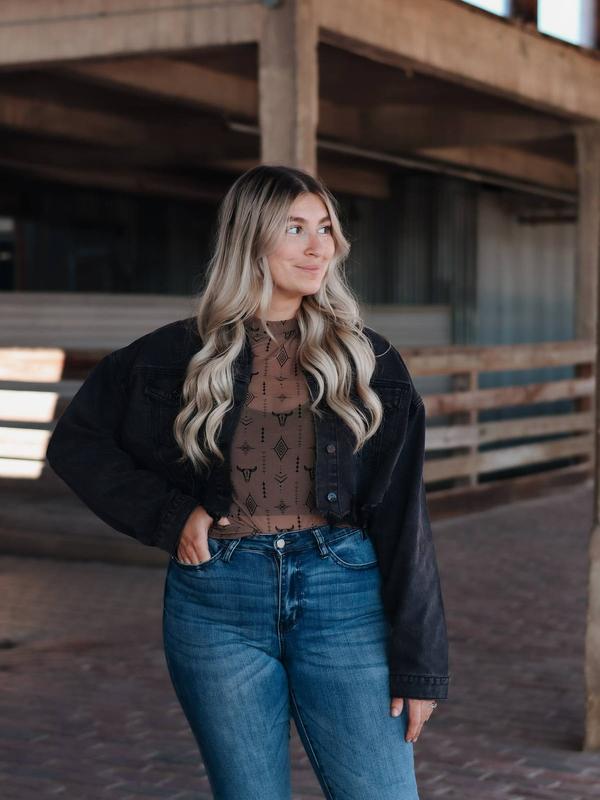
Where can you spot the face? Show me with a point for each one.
(300, 259)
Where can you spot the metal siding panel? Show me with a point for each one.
(525, 292)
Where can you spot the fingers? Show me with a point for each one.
(419, 712)
(193, 543)
(193, 553)
(397, 706)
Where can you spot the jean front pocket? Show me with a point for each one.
(216, 548)
(353, 550)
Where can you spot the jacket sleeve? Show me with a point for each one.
(418, 647)
(84, 450)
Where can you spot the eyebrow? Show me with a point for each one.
(301, 219)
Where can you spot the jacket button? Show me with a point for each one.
(330, 448)
(332, 497)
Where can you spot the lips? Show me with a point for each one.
(310, 268)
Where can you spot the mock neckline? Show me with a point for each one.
(254, 320)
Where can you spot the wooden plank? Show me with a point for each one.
(40, 364)
(458, 43)
(451, 402)
(392, 127)
(451, 359)
(587, 297)
(426, 128)
(445, 503)
(588, 230)
(508, 161)
(508, 457)
(200, 137)
(347, 178)
(26, 406)
(288, 78)
(23, 443)
(143, 182)
(444, 437)
(170, 79)
(63, 30)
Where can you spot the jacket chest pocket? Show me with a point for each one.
(395, 398)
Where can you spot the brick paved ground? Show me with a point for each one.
(87, 710)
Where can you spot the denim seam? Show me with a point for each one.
(311, 748)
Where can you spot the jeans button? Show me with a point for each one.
(280, 543)
(330, 448)
(332, 497)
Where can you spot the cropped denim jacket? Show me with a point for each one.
(115, 448)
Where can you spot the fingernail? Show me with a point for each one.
(395, 712)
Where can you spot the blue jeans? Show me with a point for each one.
(280, 624)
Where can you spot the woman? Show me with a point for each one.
(273, 446)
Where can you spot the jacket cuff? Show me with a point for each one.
(173, 520)
(419, 687)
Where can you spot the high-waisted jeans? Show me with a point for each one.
(280, 624)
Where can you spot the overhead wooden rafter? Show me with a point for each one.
(473, 138)
(64, 30)
(456, 42)
(464, 46)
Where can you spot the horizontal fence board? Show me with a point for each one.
(508, 457)
(447, 436)
(37, 383)
(452, 360)
(453, 402)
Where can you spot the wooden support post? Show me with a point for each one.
(525, 10)
(288, 82)
(588, 314)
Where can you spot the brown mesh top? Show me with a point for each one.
(273, 446)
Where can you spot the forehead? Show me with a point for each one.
(308, 205)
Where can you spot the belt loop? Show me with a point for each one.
(230, 548)
(320, 542)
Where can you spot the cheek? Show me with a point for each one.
(285, 254)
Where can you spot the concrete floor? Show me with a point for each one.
(87, 709)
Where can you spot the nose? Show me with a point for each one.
(313, 245)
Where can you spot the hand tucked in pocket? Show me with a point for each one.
(193, 542)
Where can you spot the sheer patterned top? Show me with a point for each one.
(273, 446)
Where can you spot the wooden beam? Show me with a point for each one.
(397, 127)
(134, 181)
(200, 139)
(525, 11)
(458, 43)
(338, 177)
(588, 230)
(64, 30)
(588, 315)
(392, 128)
(288, 79)
(173, 80)
(508, 161)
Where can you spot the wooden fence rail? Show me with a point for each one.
(462, 450)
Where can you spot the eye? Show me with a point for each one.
(292, 227)
(326, 228)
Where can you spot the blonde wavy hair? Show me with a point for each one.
(252, 217)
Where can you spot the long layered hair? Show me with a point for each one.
(252, 217)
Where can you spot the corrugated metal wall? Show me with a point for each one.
(417, 247)
(525, 291)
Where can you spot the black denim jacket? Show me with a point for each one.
(115, 448)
